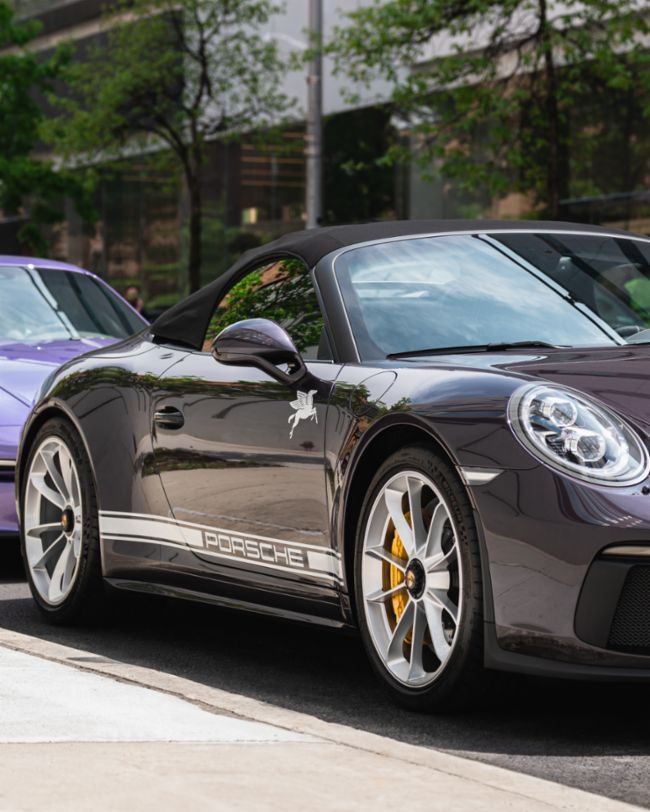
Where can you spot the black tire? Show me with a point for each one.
(462, 679)
(86, 601)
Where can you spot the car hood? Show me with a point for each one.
(23, 368)
(618, 376)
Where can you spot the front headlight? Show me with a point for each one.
(570, 432)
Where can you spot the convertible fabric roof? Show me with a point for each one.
(186, 323)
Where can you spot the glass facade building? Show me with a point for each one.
(252, 194)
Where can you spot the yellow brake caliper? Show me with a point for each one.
(396, 576)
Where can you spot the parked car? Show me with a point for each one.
(436, 432)
(50, 312)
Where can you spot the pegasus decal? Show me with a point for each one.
(305, 409)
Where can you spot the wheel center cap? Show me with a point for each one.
(67, 520)
(414, 578)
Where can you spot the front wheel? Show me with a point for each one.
(59, 526)
(418, 583)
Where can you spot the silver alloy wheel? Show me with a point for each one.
(53, 520)
(412, 579)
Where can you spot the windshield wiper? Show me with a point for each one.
(494, 347)
(512, 345)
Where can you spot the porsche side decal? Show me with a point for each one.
(287, 556)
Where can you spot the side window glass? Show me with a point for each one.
(283, 292)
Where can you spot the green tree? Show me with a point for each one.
(281, 291)
(355, 187)
(489, 89)
(30, 187)
(174, 74)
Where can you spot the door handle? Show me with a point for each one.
(168, 418)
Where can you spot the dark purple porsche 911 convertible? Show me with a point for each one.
(50, 312)
(435, 432)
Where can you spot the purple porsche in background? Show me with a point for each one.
(50, 312)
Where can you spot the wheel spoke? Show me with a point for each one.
(394, 505)
(439, 562)
(76, 543)
(434, 536)
(385, 555)
(68, 474)
(55, 475)
(439, 581)
(395, 645)
(416, 668)
(37, 532)
(46, 553)
(440, 598)
(415, 509)
(38, 481)
(57, 586)
(70, 566)
(434, 621)
(382, 595)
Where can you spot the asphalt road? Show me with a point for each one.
(592, 736)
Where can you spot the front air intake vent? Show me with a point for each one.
(630, 630)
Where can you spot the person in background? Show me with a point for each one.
(132, 296)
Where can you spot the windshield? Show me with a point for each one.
(49, 305)
(464, 291)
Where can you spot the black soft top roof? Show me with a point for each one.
(186, 323)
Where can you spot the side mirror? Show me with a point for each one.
(260, 343)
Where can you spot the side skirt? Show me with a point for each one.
(167, 591)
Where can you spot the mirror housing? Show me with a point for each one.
(260, 343)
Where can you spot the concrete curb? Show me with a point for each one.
(518, 786)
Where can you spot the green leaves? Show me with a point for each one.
(497, 94)
(173, 75)
(29, 187)
(281, 291)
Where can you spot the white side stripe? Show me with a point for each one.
(328, 576)
(320, 561)
(182, 523)
(150, 529)
(275, 554)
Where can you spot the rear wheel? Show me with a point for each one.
(418, 583)
(59, 527)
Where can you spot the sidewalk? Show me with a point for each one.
(75, 740)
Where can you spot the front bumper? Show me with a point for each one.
(560, 601)
(8, 520)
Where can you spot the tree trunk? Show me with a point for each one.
(196, 227)
(554, 181)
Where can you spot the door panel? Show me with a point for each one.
(248, 497)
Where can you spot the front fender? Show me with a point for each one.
(461, 413)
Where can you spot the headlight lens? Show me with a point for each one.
(571, 433)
